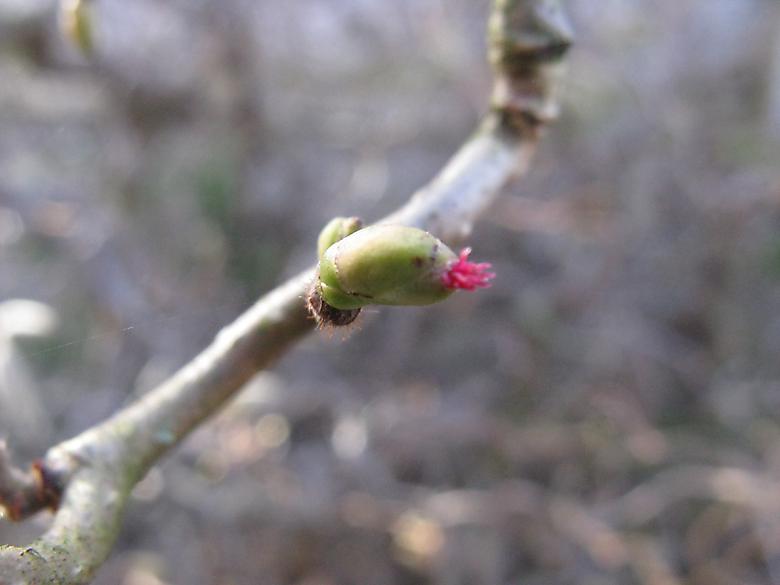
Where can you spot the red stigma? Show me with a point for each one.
(467, 275)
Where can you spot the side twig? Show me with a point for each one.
(25, 492)
(95, 471)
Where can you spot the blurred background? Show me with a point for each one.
(607, 413)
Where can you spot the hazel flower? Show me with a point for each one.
(388, 265)
(467, 275)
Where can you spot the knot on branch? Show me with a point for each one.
(23, 493)
(527, 42)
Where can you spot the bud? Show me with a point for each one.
(335, 230)
(389, 265)
(76, 24)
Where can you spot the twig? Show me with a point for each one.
(669, 487)
(25, 492)
(99, 467)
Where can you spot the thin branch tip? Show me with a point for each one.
(528, 41)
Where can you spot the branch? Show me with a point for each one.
(25, 492)
(99, 467)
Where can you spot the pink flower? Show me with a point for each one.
(467, 275)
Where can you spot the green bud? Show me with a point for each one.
(76, 24)
(336, 229)
(385, 265)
